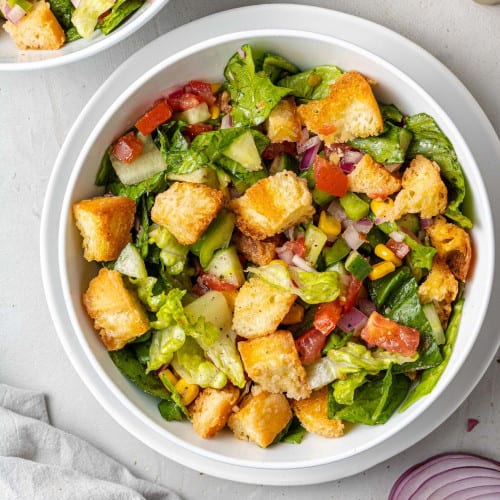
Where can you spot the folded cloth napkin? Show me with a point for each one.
(38, 461)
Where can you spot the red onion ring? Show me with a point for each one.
(353, 320)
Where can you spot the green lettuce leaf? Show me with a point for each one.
(119, 12)
(170, 411)
(292, 433)
(275, 66)
(391, 113)
(87, 13)
(312, 84)
(155, 184)
(173, 254)
(163, 345)
(343, 390)
(63, 10)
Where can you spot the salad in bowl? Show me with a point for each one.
(279, 252)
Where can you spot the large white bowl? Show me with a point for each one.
(14, 59)
(206, 61)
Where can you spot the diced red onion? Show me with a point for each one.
(392, 167)
(226, 122)
(409, 233)
(363, 225)
(366, 306)
(75, 3)
(471, 423)
(425, 223)
(337, 211)
(309, 143)
(397, 236)
(302, 264)
(353, 320)
(351, 237)
(350, 159)
(452, 476)
(242, 53)
(308, 157)
(401, 250)
(15, 14)
(285, 254)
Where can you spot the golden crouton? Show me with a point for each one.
(104, 223)
(211, 410)
(261, 418)
(273, 205)
(453, 245)
(349, 111)
(117, 313)
(258, 252)
(259, 308)
(373, 179)
(273, 362)
(313, 415)
(283, 123)
(423, 192)
(38, 29)
(186, 209)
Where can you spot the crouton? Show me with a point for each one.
(104, 223)
(283, 123)
(117, 313)
(259, 308)
(258, 252)
(38, 29)
(186, 209)
(261, 418)
(373, 179)
(453, 245)
(349, 111)
(273, 362)
(211, 410)
(313, 415)
(273, 205)
(423, 192)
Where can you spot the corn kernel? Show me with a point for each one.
(214, 111)
(381, 269)
(294, 315)
(187, 391)
(166, 373)
(215, 87)
(379, 207)
(329, 224)
(385, 253)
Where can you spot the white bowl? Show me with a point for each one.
(14, 59)
(206, 60)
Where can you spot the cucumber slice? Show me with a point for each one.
(130, 263)
(354, 206)
(213, 307)
(433, 319)
(197, 114)
(147, 164)
(314, 242)
(244, 151)
(357, 265)
(226, 265)
(204, 175)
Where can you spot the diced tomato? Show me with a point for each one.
(352, 294)
(158, 114)
(213, 283)
(191, 131)
(329, 177)
(275, 149)
(127, 148)
(309, 346)
(326, 316)
(400, 249)
(389, 335)
(183, 101)
(297, 246)
(203, 90)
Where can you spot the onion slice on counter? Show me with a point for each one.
(454, 476)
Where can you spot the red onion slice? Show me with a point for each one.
(226, 122)
(363, 225)
(353, 320)
(350, 159)
(471, 423)
(366, 306)
(461, 484)
(302, 147)
(351, 237)
(479, 493)
(304, 137)
(15, 14)
(285, 254)
(302, 264)
(308, 157)
(425, 223)
(337, 211)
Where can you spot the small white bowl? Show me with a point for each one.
(14, 59)
(206, 61)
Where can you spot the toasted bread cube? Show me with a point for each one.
(313, 415)
(349, 111)
(104, 223)
(211, 410)
(38, 29)
(261, 418)
(256, 251)
(273, 205)
(373, 179)
(283, 123)
(186, 209)
(453, 245)
(259, 308)
(118, 315)
(273, 362)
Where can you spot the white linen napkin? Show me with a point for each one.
(39, 462)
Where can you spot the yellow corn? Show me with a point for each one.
(329, 224)
(381, 269)
(379, 207)
(214, 111)
(166, 373)
(187, 391)
(215, 87)
(385, 253)
(294, 315)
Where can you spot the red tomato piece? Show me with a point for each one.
(158, 114)
(326, 316)
(352, 294)
(203, 90)
(127, 148)
(191, 131)
(389, 335)
(400, 249)
(309, 346)
(183, 101)
(276, 148)
(298, 246)
(329, 177)
(211, 281)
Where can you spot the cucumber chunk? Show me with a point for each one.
(357, 265)
(130, 263)
(226, 265)
(245, 152)
(197, 114)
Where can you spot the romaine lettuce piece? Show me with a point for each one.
(275, 66)
(173, 254)
(343, 390)
(163, 345)
(312, 84)
(119, 12)
(87, 13)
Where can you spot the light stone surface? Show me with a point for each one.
(38, 108)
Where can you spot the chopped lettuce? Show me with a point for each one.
(87, 13)
(155, 184)
(163, 345)
(312, 84)
(119, 12)
(275, 66)
(173, 254)
(343, 390)
(63, 10)
(292, 433)
(170, 411)
(391, 113)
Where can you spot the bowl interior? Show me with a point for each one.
(206, 61)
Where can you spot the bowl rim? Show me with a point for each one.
(241, 35)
